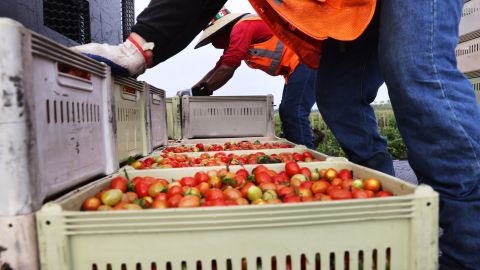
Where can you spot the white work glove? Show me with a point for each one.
(124, 59)
(186, 92)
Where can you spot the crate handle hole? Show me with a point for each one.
(332, 261)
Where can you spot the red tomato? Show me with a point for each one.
(91, 204)
(341, 194)
(174, 200)
(203, 187)
(244, 189)
(214, 194)
(188, 182)
(330, 174)
(370, 193)
(232, 194)
(259, 169)
(306, 171)
(174, 190)
(306, 184)
(231, 203)
(119, 183)
(292, 199)
(292, 168)
(215, 181)
(285, 191)
(189, 201)
(298, 157)
(345, 174)
(307, 155)
(141, 188)
(336, 181)
(262, 177)
(332, 188)
(160, 203)
(372, 184)
(347, 184)
(384, 193)
(359, 194)
(218, 203)
(320, 186)
(201, 177)
(239, 180)
(161, 197)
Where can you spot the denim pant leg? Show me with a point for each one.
(297, 102)
(348, 80)
(437, 116)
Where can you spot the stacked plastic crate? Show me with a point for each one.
(56, 132)
(65, 122)
(468, 49)
(391, 233)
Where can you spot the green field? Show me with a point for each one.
(386, 125)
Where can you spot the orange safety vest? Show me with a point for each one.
(271, 56)
(302, 25)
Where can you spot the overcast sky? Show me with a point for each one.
(189, 66)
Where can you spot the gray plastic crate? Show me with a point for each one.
(476, 86)
(470, 23)
(229, 116)
(130, 120)
(156, 116)
(56, 127)
(174, 118)
(468, 57)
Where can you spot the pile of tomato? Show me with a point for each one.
(171, 160)
(228, 146)
(295, 184)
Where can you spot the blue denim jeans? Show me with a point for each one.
(297, 102)
(434, 105)
(348, 80)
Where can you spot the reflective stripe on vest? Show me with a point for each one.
(275, 55)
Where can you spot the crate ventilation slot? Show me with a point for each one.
(473, 48)
(476, 86)
(128, 114)
(228, 112)
(470, 11)
(70, 18)
(69, 112)
(333, 261)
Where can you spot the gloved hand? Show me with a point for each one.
(186, 92)
(201, 90)
(125, 59)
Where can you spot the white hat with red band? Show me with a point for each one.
(220, 21)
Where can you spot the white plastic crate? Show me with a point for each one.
(130, 118)
(468, 57)
(470, 23)
(224, 140)
(316, 155)
(156, 116)
(174, 118)
(476, 86)
(400, 231)
(55, 116)
(229, 116)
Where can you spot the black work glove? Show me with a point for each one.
(201, 90)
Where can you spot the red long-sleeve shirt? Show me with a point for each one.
(236, 44)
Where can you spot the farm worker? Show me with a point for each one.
(246, 37)
(413, 48)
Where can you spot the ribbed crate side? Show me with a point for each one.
(468, 56)
(157, 114)
(57, 118)
(181, 236)
(217, 117)
(130, 118)
(16, 195)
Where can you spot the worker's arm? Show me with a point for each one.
(217, 77)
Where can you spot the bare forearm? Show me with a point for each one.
(218, 77)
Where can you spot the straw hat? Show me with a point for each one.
(223, 19)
